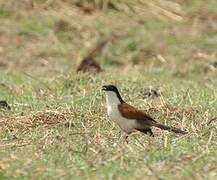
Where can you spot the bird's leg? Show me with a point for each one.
(150, 132)
(146, 131)
(126, 138)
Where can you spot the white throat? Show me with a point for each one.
(114, 114)
(111, 99)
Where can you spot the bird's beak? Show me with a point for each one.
(104, 88)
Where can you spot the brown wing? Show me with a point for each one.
(130, 112)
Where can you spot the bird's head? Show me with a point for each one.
(112, 92)
(110, 88)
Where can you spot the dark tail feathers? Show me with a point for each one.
(169, 128)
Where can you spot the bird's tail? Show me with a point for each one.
(169, 128)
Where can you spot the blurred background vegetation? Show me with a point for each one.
(162, 54)
(51, 35)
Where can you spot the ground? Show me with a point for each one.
(57, 127)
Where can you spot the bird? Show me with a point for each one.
(4, 105)
(129, 118)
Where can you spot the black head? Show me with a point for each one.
(110, 88)
(113, 89)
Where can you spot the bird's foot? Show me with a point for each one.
(126, 136)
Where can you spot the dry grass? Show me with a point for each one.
(49, 118)
(65, 34)
(167, 45)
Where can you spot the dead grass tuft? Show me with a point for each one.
(174, 112)
(42, 118)
(174, 116)
(203, 20)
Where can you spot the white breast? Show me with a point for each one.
(127, 125)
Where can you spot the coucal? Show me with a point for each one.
(128, 117)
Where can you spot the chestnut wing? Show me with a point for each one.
(130, 112)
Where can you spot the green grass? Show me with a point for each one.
(93, 147)
(40, 49)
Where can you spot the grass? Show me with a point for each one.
(57, 127)
(92, 147)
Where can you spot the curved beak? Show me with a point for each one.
(104, 88)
